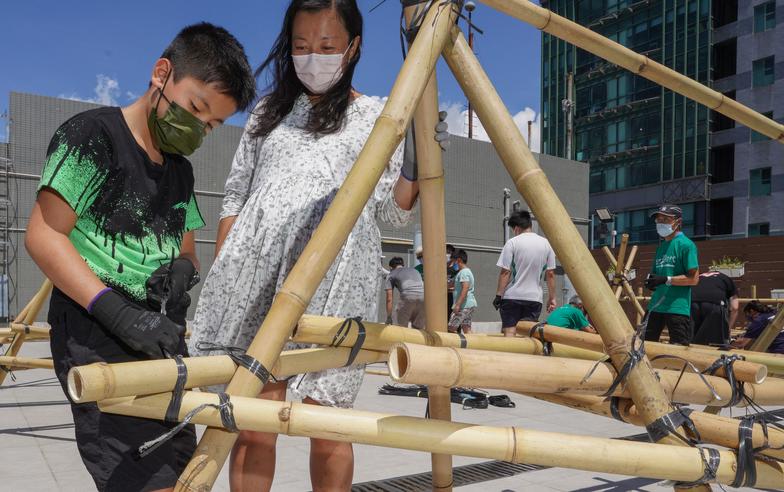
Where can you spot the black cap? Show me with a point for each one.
(668, 210)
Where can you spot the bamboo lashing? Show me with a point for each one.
(624, 286)
(100, 381)
(609, 319)
(582, 37)
(433, 213)
(304, 278)
(26, 317)
(440, 437)
(746, 371)
(449, 366)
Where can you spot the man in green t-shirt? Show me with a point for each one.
(675, 271)
(572, 316)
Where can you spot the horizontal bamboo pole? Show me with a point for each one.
(448, 366)
(742, 300)
(510, 444)
(774, 362)
(15, 362)
(30, 330)
(26, 316)
(593, 42)
(322, 330)
(712, 428)
(750, 372)
(100, 381)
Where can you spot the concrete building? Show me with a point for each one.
(474, 195)
(645, 144)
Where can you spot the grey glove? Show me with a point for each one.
(389, 320)
(409, 169)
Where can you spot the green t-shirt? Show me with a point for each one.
(674, 257)
(568, 316)
(131, 213)
(465, 275)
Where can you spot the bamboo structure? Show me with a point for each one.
(380, 337)
(294, 296)
(15, 362)
(608, 316)
(432, 208)
(746, 371)
(621, 273)
(100, 381)
(742, 300)
(448, 366)
(26, 317)
(440, 437)
(712, 428)
(571, 32)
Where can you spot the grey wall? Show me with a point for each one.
(475, 179)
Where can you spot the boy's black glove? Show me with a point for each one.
(654, 281)
(142, 330)
(168, 286)
(497, 303)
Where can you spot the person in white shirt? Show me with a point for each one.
(523, 261)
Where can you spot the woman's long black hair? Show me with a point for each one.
(757, 306)
(329, 111)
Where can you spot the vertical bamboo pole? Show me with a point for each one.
(433, 214)
(753, 291)
(640, 311)
(26, 316)
(531, 182)
(303, 280)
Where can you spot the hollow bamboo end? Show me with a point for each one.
(762, 374)
(75, 385)
(398, 362)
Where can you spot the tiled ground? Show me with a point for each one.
(38, 453)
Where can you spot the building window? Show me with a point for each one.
(759, 181)
(763, 71)
(760, 229)
(765, 16)
(758, 137)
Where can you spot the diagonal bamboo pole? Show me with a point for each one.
(431, 195)
(323, 247)
(625, 285)
(582, 37)
(26, 316)
(435, 436)
(610, 320)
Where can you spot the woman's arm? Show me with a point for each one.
(224, 226)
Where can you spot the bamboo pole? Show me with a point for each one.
(607, 314)
(13, 362)
(774, 362)
(640, 311)
(453, 367)
(582, 37)
(433, 214)
(99, 381)
(294, 296)
(380, 337)
(510, 444)
(745, 371)
(27, 316)
(30, 330)
(712, 428)
(742, 300)
(753, 291)
(625, 285)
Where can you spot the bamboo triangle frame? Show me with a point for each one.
(439, 35)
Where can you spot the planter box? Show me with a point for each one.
(731, 272)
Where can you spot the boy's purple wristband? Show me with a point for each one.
(99, 294)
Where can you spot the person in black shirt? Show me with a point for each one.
(713, 300)
(112, 227)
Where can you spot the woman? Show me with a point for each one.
(297, 148)
(759, 316)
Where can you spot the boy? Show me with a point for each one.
(571, 316)
(112, 228)
(465, 301)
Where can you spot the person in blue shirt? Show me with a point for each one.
(759, 316)
(465, 301)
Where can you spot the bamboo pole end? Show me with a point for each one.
(398, 362)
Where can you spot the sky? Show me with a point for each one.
(103, 51)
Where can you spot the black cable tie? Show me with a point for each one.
(727, 363)
(537, 332)
(463, 340)
(173, 411)
(687, 364)
(710, 468)
(225, 407)
(614, 410)
(669, 423)
(342, 334)
(240, 358)
(746, 469)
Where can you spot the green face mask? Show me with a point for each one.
(178, 131)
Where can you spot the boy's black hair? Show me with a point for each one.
(757, 306)
(212, 55)
(450, 249)
(521, 219)
(460, 254)
(396, 262)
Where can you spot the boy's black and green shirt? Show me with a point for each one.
(131, 213)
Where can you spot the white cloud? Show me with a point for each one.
(457, 119)
(132, 96)
(106, 90)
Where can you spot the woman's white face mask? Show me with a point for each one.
(319, 72)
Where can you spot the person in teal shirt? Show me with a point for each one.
(675, 271)
(465, 301)
(571, 315)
